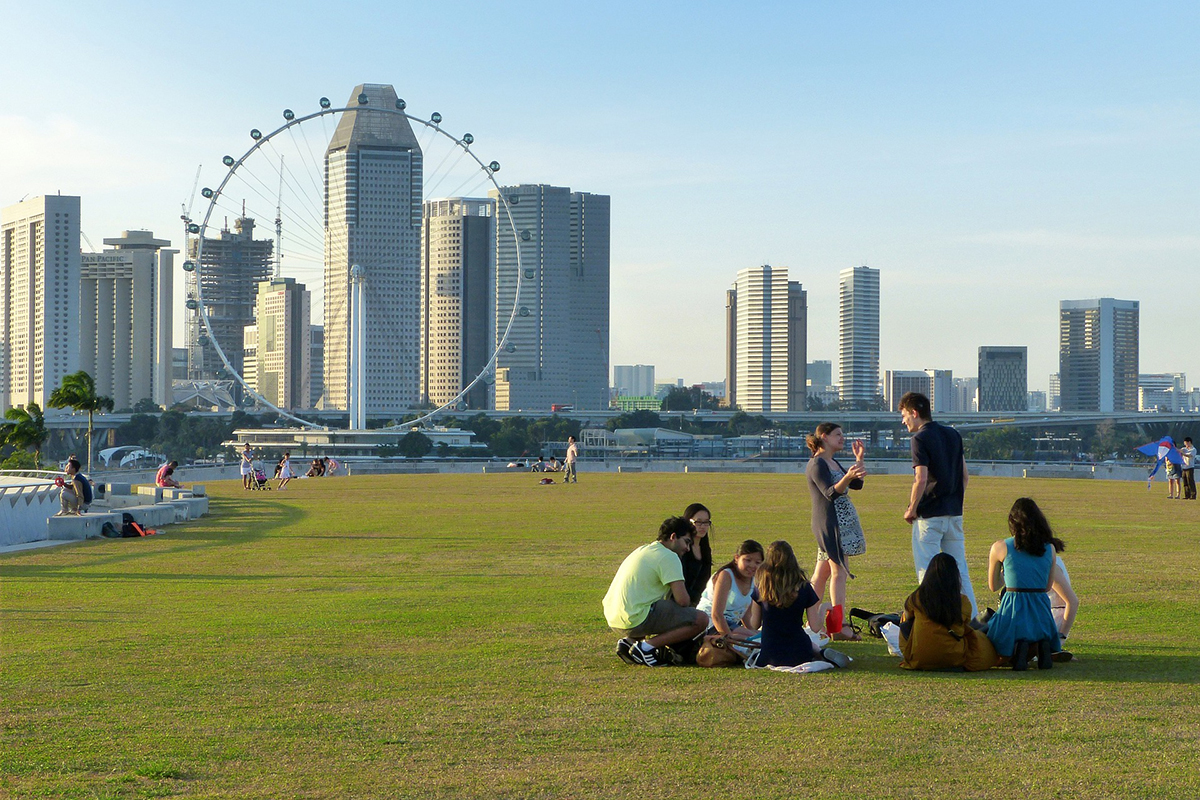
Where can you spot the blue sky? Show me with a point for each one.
(989, 160)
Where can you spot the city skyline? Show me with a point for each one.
(928, 144)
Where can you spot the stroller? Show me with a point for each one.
(260, 479)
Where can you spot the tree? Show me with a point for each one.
(78, 391)
(686, 399)
(146, 406)
(415, 445)
(635, 419)
(26, 430)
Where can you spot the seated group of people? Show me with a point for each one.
(166, 476)
(542, 465)
(319, 468)
(665, 601)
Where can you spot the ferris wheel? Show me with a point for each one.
(298, 176)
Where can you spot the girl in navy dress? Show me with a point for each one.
(782, 597)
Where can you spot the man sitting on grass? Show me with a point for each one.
(648, 603)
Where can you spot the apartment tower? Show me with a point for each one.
(858, 335)
(1098, 355)
(767, 346)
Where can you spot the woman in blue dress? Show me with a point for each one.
(1023, 565)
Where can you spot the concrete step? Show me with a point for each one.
(82, 527)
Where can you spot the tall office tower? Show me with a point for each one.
(636, 380)
(562, 314)
(965, 391)
(730, 348)
(250, 356)
(768, 330)
(1054, 396)
(317, 381)
(1098, 354)
(589, 312)
(232, 265)
(858, 335)
(899, 382)
(125, 300)
(1003, 378)
(941, 390)
(39, 298)
(456, 250)
(373, 174)
(284, 349)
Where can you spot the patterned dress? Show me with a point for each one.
(849, 529)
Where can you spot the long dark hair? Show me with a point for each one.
(813, 440)
(746, 548)
(1030, 529)
(705, 543)
(940, 591)
(780, 577)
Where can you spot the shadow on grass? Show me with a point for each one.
(1115, 667)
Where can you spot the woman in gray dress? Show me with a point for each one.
(834, 521)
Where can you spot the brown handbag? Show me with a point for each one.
(714, 652)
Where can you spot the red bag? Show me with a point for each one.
(834, 620)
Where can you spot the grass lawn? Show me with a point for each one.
(441, 636)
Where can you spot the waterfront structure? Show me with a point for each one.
(232, 265)
(125, 316)
(373, 182)
(1003, 378)
(557, 349)
(1098, 354)
(767, 345)
(636, 380)
(858, 336)
(39, 298)
(283, 351)
(457, 245)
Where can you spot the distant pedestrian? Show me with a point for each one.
(1188, 451)
(935, 506)
(571, 458)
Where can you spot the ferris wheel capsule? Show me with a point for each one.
(288, 114)
(468, 138)
(363, 99)
(193, 228)
(436, 118)
(401, 105)
(189, 266)
(207, 192)
(325, 102)
(192, 304)
(228, 161)
(494, 166)
(255, 134)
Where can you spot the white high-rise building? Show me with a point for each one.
(39, 298)
(634, 380)
(1098, 354)
(767, 330)
(125, 319)
(373, 169)
(283, 352)
(557, 350)
(456, 255)
(858, 335)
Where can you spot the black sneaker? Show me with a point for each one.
(624, 646)
(1062, 656)
(649, 659)
(839, 660)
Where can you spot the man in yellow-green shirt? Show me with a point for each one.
(647, 602)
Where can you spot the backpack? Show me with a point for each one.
(109, 531)
(130, 528)
(87, 489)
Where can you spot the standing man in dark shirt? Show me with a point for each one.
(935, 507)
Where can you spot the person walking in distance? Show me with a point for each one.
(569, 461)
(935, 506)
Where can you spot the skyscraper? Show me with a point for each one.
(373, 174)
(1098, 354)
(39, 298)
(1003, 378)
(231, 267)
(635, 380)
(457, 248)
(899, 382)
(767, 329)
(125, 319)
(858, 335)
(557, 350)
(284, 343)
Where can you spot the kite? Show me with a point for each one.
(1162, 451)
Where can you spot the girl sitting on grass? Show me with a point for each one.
(1023, 565)
(782, 596)
(726, 598)
(934, 629)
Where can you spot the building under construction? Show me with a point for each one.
(231, 267)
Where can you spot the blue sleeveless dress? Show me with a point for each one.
(1024, 614)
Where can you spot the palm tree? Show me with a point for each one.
(78, 391)
(26, 429)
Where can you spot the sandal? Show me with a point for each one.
(842, 636)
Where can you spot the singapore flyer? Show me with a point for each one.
(347, 188)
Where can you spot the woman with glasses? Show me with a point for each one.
(697, 561)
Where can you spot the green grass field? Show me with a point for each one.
(441, 636)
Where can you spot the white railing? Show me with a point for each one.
(28, 497)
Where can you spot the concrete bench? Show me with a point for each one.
(151, 491)
(1057, 472)
(627, 468)
(114, 489)
(86, 526)
(150, 516)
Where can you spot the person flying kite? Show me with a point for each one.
(1162, 451)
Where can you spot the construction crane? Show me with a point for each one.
(189, 201)
(279, 225)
